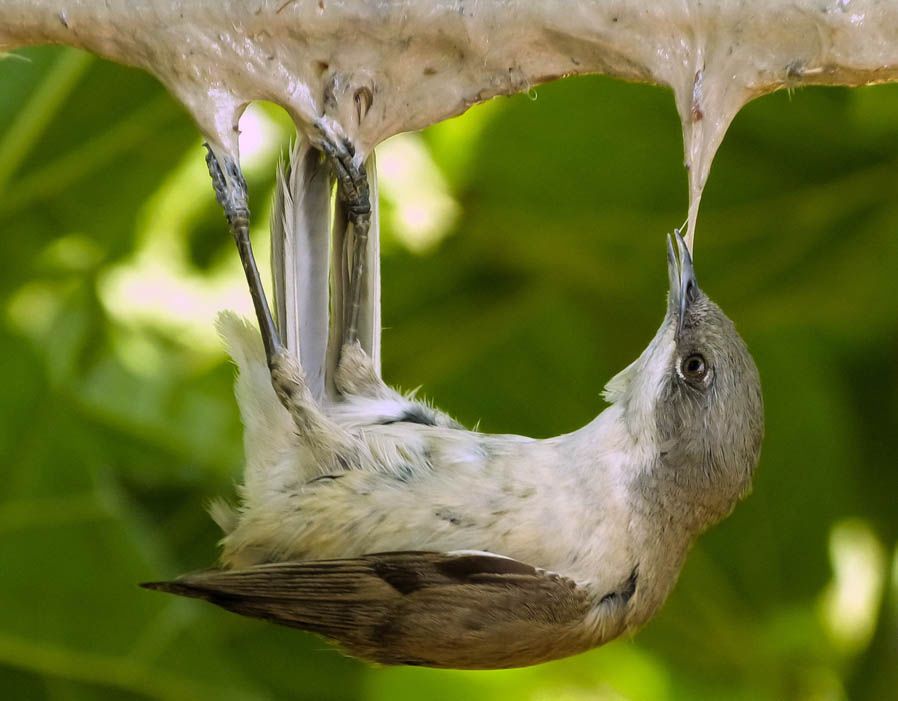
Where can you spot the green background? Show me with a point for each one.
(116, 427)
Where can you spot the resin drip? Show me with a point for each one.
(416, 62)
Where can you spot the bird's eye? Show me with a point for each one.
(694, 367)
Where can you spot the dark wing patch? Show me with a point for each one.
(415, 571)
(413, 414)
(403, 579)
(626, 591)
(469, 567)
(437, 609)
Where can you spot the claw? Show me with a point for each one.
(352, 179)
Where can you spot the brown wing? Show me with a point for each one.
(462, 610)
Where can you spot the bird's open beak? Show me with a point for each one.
(683, 287)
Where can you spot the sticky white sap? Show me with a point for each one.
(368, 69)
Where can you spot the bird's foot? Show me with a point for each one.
(352, 180)
(334, 448)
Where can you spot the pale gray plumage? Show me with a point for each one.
(300, 255)
(379, 522)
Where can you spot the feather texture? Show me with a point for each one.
(300, 254)
(464, 610)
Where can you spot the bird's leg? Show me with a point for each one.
(230, 190)
(356, 373)
(332, 445)
(354, 192)
(327, 440)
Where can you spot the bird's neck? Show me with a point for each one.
(663, 517)
(672, 487)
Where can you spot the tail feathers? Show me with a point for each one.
(300, 258)
(310, 262)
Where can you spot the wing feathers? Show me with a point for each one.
(438, 609)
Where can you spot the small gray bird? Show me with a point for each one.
(379, 522)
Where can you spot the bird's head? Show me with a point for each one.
(693, 398)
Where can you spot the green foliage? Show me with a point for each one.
(116, 425)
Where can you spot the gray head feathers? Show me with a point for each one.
(697, 391)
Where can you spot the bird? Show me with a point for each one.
(379, 522)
